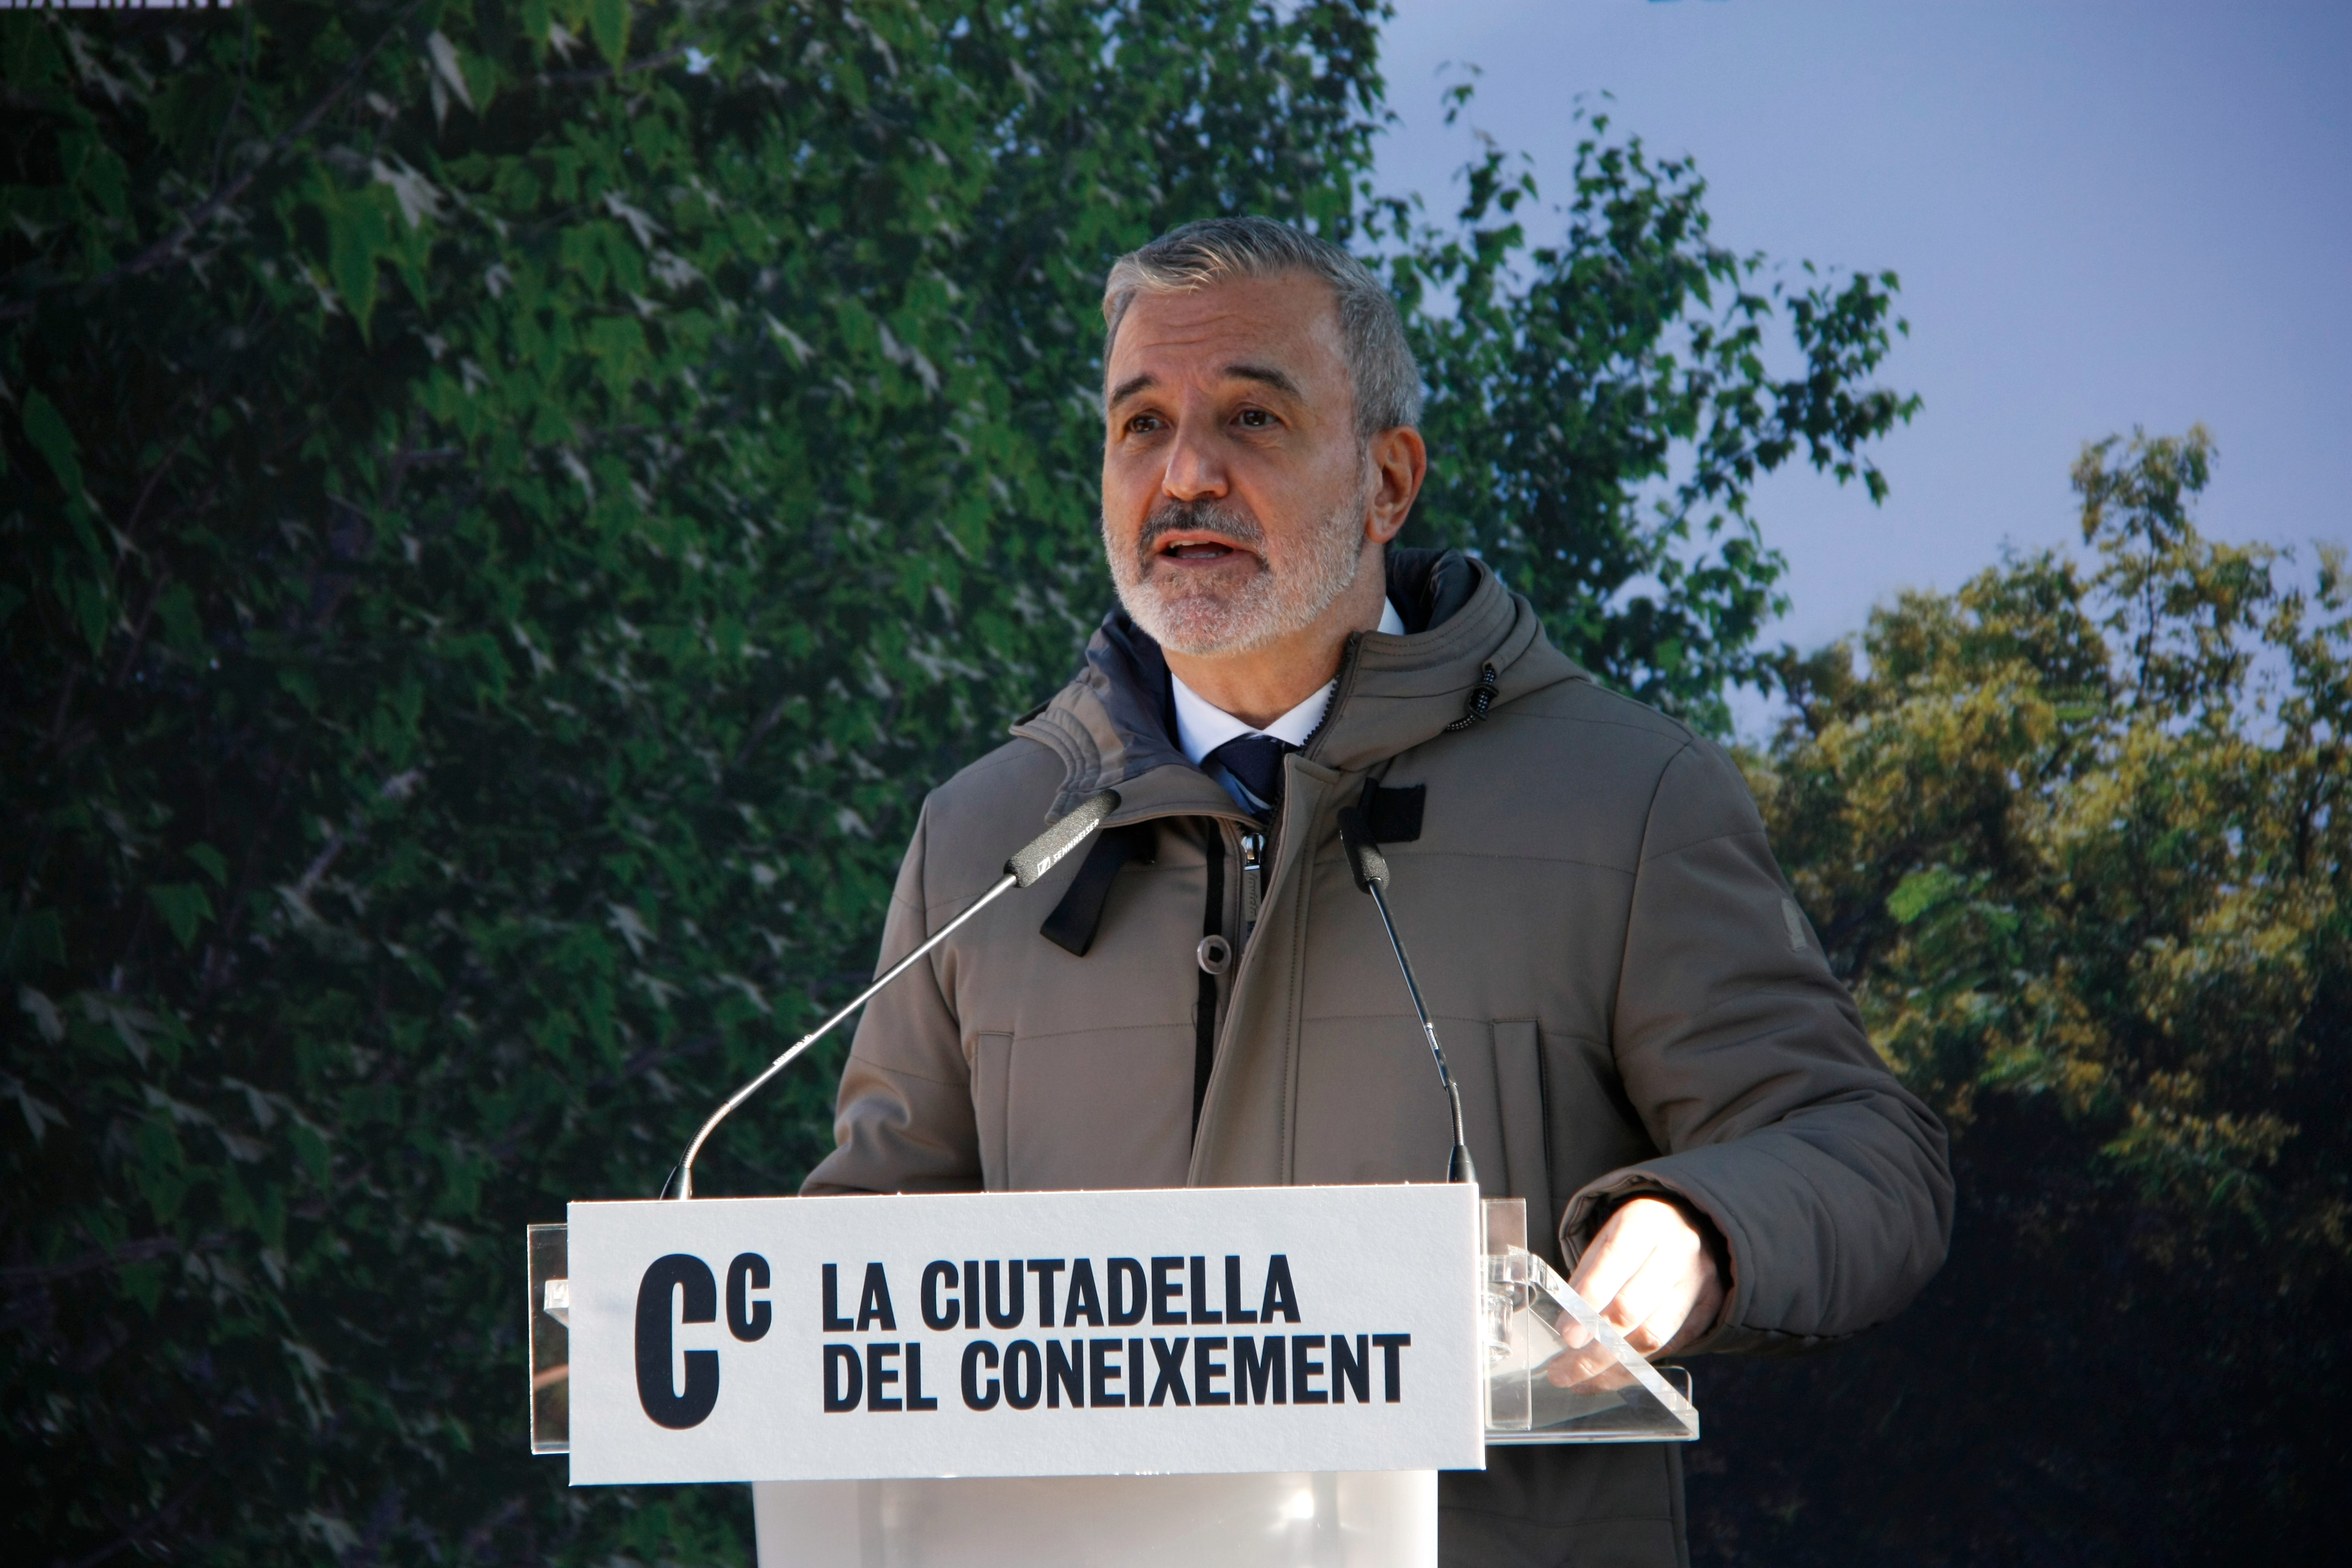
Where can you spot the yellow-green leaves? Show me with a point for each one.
(1921, 891)
(2081, 834)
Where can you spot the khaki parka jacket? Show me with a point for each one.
(1629, 998)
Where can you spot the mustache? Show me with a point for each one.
(1171, 516)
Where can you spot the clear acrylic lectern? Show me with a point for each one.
(1554, 1372)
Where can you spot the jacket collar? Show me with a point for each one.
(1114, 725)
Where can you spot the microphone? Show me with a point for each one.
(1370, 870)
(1028, 863)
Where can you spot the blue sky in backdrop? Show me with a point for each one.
(2105, 213)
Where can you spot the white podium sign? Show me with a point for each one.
(1204, 1330)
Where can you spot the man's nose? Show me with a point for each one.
(1194, 472)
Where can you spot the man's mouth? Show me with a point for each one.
(1196, 550)
(1201, 537)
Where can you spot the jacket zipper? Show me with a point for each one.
(1208, 1015)
(1253, 847)
(1345, 682)
(1250, 842)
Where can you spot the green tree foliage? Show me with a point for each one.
(508, 507)
(2077, 836)
(1602, 403)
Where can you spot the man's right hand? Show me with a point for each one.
(1652, 1280)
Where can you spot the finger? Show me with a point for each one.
(1652, 1305)
(1591, 1369)
(1582, 1355)
(1591, 1363)
(1651, 1335)
(1666, 1240)
(1649, 1306)
(1605, 1265)
(1623, 1244)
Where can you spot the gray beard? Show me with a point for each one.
(1206, 619)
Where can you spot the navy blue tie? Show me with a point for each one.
(1256, 761)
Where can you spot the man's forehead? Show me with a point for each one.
(1281, 332)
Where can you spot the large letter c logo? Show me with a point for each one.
(655, 1390)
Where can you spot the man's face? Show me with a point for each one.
(1235, 487)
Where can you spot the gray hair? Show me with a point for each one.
(1379, 363)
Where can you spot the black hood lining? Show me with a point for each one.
(1429, 587)
(1140, 695)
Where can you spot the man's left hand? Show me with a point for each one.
(1651, 1275)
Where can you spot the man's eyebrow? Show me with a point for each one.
(1267, 374)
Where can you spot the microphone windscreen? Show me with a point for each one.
(1365, 861)
(1043, 853)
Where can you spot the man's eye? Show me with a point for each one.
(1143, 425)
(1255, 419)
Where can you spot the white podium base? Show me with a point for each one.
(1370, 1519)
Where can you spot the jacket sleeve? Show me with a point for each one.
(1747, 1061)
(903, 1119)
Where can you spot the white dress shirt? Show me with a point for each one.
(1202, 726)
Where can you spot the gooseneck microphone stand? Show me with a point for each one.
(1370, 870)
(1029, 863)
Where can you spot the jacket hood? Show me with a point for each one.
(1114, 725)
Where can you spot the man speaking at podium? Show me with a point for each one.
(1652, 1051)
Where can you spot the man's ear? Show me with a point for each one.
(1400, 462)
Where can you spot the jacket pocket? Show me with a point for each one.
(1523, 1115)
(992, 1099)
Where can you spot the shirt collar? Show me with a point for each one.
(1201, 727)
